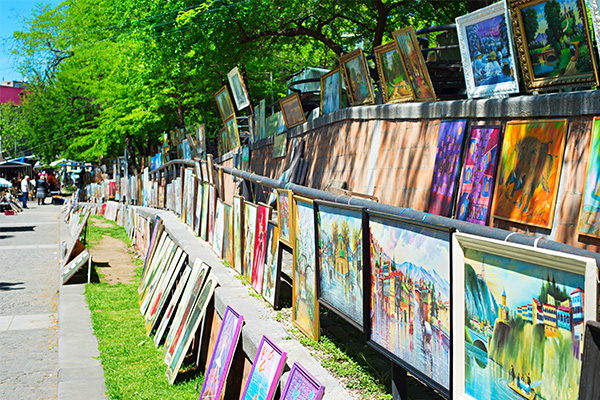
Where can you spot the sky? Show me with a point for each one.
(13, 14)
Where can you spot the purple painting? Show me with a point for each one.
(477, 184)
(447, 166)
(301, 385)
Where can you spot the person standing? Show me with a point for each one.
(41, 187)
(25, 190)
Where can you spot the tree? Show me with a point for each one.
(554, 30)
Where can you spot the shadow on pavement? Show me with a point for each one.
(5, 286)
(17, 228)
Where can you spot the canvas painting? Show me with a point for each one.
(266, 370)
(219, 228)
(245, 158)
(301, 385)
(238, 233)
(260, 246)
(589, 220)
(199, 198)
(556, 46)
(217, 370)
(447, 167)
(223, 145)
(204, 221)
(478, 175)
(529, 171)
(224, 103)
(487, 52)
(233, 136)
(284, 216)
(190, 184)
(250, 217)
(331, 92)
(340, 260)
(260, 132)
(240, 95)
(594, 6)
(406, 39)
(521, 332)
(201, 132)
(173, 302)
(410, 296)
(392, 74)
(270, 284)
(305, 309)
(293, 114)
(280, 146)
(271, 125)
(228, 234)
(356, 77)
(212, 205)
(281, 121)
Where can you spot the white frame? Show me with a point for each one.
(475, 17)
(243, 95)
(594, 7)
(547, 258)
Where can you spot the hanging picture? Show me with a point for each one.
(266, 370)
(293, 114)
(331, 92)
(529, 171)
(219, 234)
(589, 220)
(250, 216)
(260, 246)
(356, 77)
(447, 167)
(204, 221)
(478, 175)
(240, 95)
(395, 85)
(224, 103)
(340, 260)
(280, 146)
(228, 234)
(233, 135)
(521, 332)
(238, 233)
(487, 52)
(406, 39)
(271, 275)
(301, 385)
(220, 361)
(305, 309)
(553, 43)
(409, 320)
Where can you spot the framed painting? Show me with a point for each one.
(259, 117)
(201, 132)
(271, 275)
(553, 43)
(395, 86)
(233, 134)
(245, 158)
(250, 217)
(228, 234)
(224, 103)
(487, 51)
(219, 233)
(204, 169)
(281, 124)
(280, 145)
(408, 45)
(238, 233)
(190, 184)
(529, 171)
(271, 125)
(173, 302)
(266, 370)
(240, 95)
(199, 199)
(210, 169)
(212, 205)
(340, 272)
(263, 216)
(204, 221)
(223, 145)
(409, 296)
(447, 167)
(74, 265)
(479, 173)
(293, 114)
(589, 219)
(305, 308)
(331, 92)
(301, 385)
(525, 308)
(356, 76)
(594, 6)
(220, 361)
(284, 216)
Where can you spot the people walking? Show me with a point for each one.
(25, 190)
(42, 187)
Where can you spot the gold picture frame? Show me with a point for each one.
(356, 76)
(392, 74)
(293, 114)
(224, 103)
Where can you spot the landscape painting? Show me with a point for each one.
(392, 74)
(410, 296)
(238, 233)
(250, 217)
(232, 137)
(478, 174)
(589, 221)
(331, 92)
(260, 246)
(293, 113)
(447, 167)
(340, 260)
(280, 145)
(224, 103)
(356, 76)
(406, 39)
(270, 285)
(301, 385)
(266, 370)
(529, 171)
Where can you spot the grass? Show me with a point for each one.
(95, 233)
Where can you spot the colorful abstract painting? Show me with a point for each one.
(238, 233)
(447, 167)
(228, 234)
(340, 260)
(219, 228)
(301, 385)
(270, 285)
(478, 176)
(589, 221)
(410, 296)
(305, 308)
(529, 171)
(217, 370)
(250, 217)
(409, 48)
(286, 233)
(266, 369)
(260, 246)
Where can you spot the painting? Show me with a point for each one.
(356, 76)
(271, 125)
(525, 309)
(271, 275)
(223, 145)
(406, 39)
(260, 246)
(224, 103)
(301, 385)
(199, 198)
(594, 6)
(409, 319)
(219, 233)
(305, 308)
(173, 302)
(478, 175)
(233, 135)
(293, 114)
(238, 233)
(589, 220)
(201, 132)
(228, 234)
(340, 260)
(260, 132)
(529, 171)
(554, 44)
(266, 370)
(250, 217)
(212, 205)
(240, 95)
(487, 52)
(217, 370)
(284, 216)
(392, 74)
(190, 184)
(331, 92)
(447, 167)
(204, 221)
(280, 145)
(245, 158)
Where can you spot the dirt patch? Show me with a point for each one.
(113, 260)
(101, 224)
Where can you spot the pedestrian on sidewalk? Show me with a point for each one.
(25, 190)
(41, 187)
